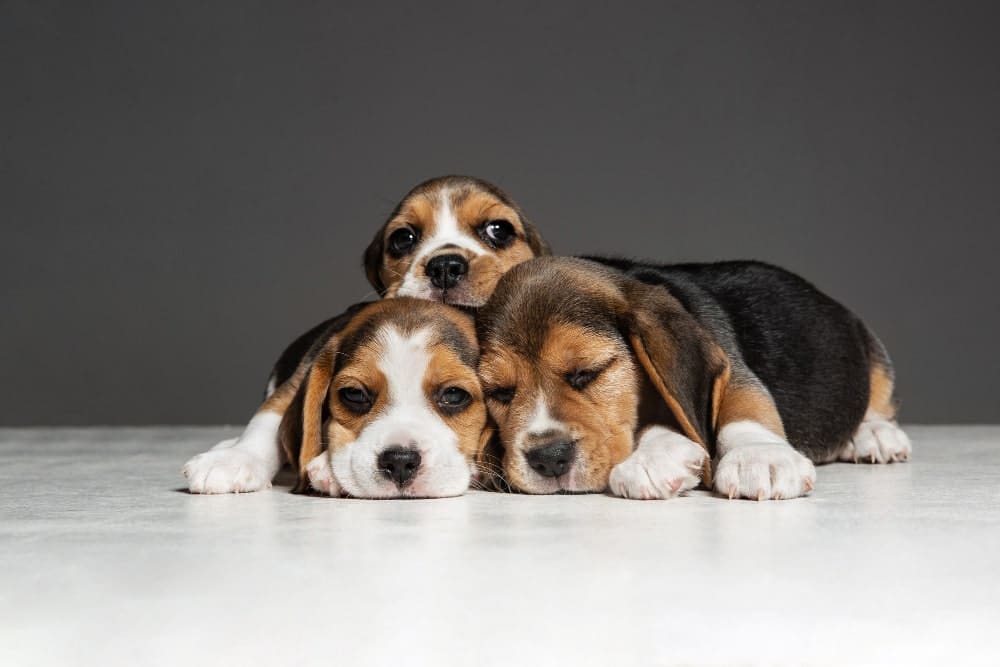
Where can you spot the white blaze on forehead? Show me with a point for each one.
(404, 362)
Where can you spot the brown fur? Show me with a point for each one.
(882, 393)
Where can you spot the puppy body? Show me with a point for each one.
(746, 360)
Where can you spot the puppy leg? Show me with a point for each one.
(755, 459)
(664, 465)
(249, 462)
(877, 440)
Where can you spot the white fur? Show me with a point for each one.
(447, 231)
(248, 463)
(665, 464)
(541, 421)
(321, 475)
(756, 463)
(877, 440)
(408, 421)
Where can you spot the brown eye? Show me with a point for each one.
(402, 241)
(453, 399)
(580, 379)
(356, 399)
(502, 394)
(497, 233)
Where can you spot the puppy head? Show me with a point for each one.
(395, 400)
(570, 374)
(450, 240)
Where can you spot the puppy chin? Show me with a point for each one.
(459, 296)
(528, 481)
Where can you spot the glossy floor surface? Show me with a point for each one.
(104, 560)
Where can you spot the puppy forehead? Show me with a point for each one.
(385, 325)
(537, 301)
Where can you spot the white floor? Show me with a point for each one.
(103, 560)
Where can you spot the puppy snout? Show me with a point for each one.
(446, 271)
(400, 464)
(552, 460)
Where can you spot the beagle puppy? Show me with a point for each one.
(448, 240)
(385, 403)
(632, 377)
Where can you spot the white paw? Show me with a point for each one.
(764, 471)
(226, 470)
(664, 465)
(321, 476)
(877, 441)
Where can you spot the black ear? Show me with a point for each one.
(535, 240)
(373, 262)
(685, 365)
(301, 429)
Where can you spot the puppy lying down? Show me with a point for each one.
(633, 377)
(385, 403)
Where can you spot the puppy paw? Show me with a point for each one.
(664, 465)
(226, 470)
(321, 476)
(877, 440)
(764, 471)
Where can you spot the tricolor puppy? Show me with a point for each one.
(632, 376)
(450, 240)
(384, 404)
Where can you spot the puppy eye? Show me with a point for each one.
(580, 379)
(402, 241)
(497, 233)
(502, 394)
(454, 398)
(355, 399)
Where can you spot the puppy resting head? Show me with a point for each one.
(395, 400)
(450, 240)
(571, 372)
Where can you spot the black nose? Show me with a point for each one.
(552, 460)
(399, 464)
(446, 270)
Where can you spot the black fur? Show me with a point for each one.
(810, 351)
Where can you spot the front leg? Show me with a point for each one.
(663, 465)
(755, 460)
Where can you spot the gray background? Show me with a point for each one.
(185, 187)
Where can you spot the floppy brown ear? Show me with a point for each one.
(301, 429)
(373, 262)
(535, 240)
(489, 460)
(688, 369)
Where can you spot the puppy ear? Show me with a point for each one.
(301, 430)
(535, 240)
(687, 368)
(373, 262)
(489, 460)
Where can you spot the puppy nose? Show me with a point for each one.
(399, 464)
(446, 271)
(552, 460)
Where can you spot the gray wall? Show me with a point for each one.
(186, 186)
